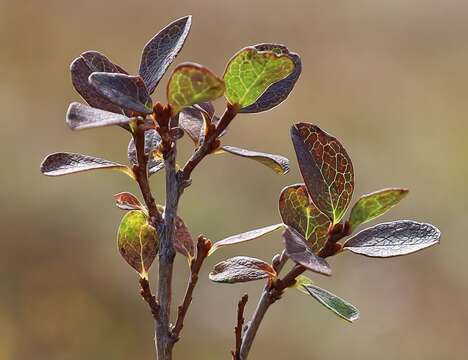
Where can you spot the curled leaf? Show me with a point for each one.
(277, 163)
(394, 238)
(183, 241)
(326, 168)
(81, 116)
(241, 269)
(152, 142)
(128, 201)
(193, 120)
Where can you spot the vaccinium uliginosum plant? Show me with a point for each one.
(256, 79)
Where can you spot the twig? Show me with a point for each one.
(148, 296)
(239, 327)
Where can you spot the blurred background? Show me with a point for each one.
(389, 78)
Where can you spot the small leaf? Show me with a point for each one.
(161, 50)
(300, 253)
(128, 201)
(251, 72)
(278, 92)
(128, 92)
(326, 169)
(302, 281)
(192, 84)
(332, 302)
(81, 116)
(393, 239)
(299, 213)
(375, 204)
(152, 142)
(183, 241)
(277, 163)
(241, 269)
(138, 241)
(192, 120)
(246, 236)
(63, 163)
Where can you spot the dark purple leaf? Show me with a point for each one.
(127, 201)
(299, 252)
(192, 120)
(241, 269)
(80, 116)
(152, 142)
(183, 241)
(393, 239)
(161, 50)
(278, 92)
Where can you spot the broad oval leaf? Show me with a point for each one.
(128, 201)
(326, 168)
(194, 118)
(183, 241)
(299, 213)
(152, 142)
(64, 163)
(299, 252)
(332, 302)
(394, 238)
(251, 72)
(192, 84)
(161, 50)
(278, 92)
(128, 92)
(245, 236)
(375, 204)
(138, 241)
(241, 269)
(279, 164)
(80, 116)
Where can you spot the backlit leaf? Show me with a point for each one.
(299, 213)
(302, 281)
(300, 253)
(161, 50)
(128, 92)
(241, 269)
(128, 201)
(192, 84)
(326, 169)
(138, 241)
(332, 302)
(393, 239)
(371, 206)
(246, 236)
(64, 163)
(80, 116)
(277, 163)
(251, 72)
(279, 91)
(183, 241)
(152, 142)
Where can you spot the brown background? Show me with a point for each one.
(387, 77)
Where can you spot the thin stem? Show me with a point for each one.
(239, 327)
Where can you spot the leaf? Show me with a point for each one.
(161, 50)
(375, 204)
(299, 213)
(302, 281)
(246, 236)
(279, 91)
(300, 253)
(332, 302)
(251, 72)
(64, 163)
(138, 241)
(192, 84)
(241, 269)
(183, 241)
(152, 142)
(81, 116)
(82, 67)
(128, 201)
(393, 239)
(128, 92)
(326, 169)
(279, 164)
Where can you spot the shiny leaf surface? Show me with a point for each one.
(241, 269)
(277, 163)
(80, 116)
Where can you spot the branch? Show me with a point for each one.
(239, 327)
(203, 248)
(148, 296)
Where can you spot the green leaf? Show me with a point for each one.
(277, 163)
(375, 204)
(80, 116)
(326, 168)
(299, 213)
(128, 201)
(246, 236)
(251, 72)
(192, 84)
(241, 269)
(64, 163)
(138, 241)
(394, 238)
(302, 281)
(332, 302)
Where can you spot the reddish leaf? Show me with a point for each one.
(183, 241)
(128, 201)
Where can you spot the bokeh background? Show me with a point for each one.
(387, 77)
